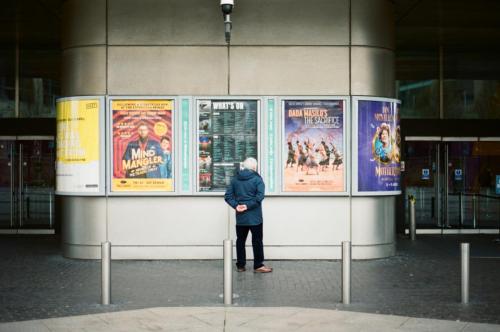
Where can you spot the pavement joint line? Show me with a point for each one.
(403, 323)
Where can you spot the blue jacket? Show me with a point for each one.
(246, 188)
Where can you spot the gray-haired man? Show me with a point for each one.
(245, 194)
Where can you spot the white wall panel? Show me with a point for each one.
(290, 70)
(167, 220)
(167, 70)
(373, 23)
(293, 22)
(165, 22)
(84, 71)
(372, 72)
(84, 23)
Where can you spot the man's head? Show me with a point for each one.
(251, 164)
(143, 131)
(165, 143)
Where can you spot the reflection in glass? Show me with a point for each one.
(471, 99)
(7, 83)
(39, 82)
(419, 99)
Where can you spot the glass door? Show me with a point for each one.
(26, 183)
(488, 207)
(36, 182)
(422, 179)
(7, 182)
(462, 190)
(454, 181)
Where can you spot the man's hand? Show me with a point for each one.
(241, 207)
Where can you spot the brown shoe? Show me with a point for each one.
(263, 269)
(241, 269)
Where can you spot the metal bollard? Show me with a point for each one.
(346, 272)
(465, 256)
(106, 273)
(413, 223)
(228, 272)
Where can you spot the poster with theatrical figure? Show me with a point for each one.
(313, 146)
(227, 135)
(142, 145)
(78, 146)
(379, 146)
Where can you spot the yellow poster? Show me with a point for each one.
(78, 146)
(142, 141)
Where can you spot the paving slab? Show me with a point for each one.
(241, 320)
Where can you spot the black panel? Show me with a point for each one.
(450, 128)
(31, 127)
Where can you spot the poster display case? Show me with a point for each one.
(80, 146)
(142, 144)
(376, 146)
(227, 134)
(314, 146)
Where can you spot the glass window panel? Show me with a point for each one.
(39, 84)
(419, 99)
(471, 99)
(7, 82)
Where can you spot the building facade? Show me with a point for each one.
(278, 49)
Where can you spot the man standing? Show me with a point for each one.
(245, 194)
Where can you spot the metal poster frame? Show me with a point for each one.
(345, 145)
(270, 145)
(195, 99)
(354, 183)
(185, 145)
(102, 147)
(109, 145)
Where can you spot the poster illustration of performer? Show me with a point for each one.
(142, 145)
(314, 146)
(379, 146)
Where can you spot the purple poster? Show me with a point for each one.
(379, 146)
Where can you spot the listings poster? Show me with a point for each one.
(78, 146)
(142, 145)
(313, 145)
(227, 134)
(379, 146)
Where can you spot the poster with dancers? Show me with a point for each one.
(313, 150)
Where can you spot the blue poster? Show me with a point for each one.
(379, 146)
(497, 185)
(426, 174)
(458, 174)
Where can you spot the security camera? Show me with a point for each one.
(227, 6)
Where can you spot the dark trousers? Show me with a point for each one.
(257, 245)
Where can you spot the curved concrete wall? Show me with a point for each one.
(164, 47)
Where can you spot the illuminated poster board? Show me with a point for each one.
(378, 147)
(227, 135)
(78, 169)
(142, 145)
(313, 146)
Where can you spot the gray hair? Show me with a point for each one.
(250, 163)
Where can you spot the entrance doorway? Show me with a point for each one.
(454, 181)
(27, 184)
